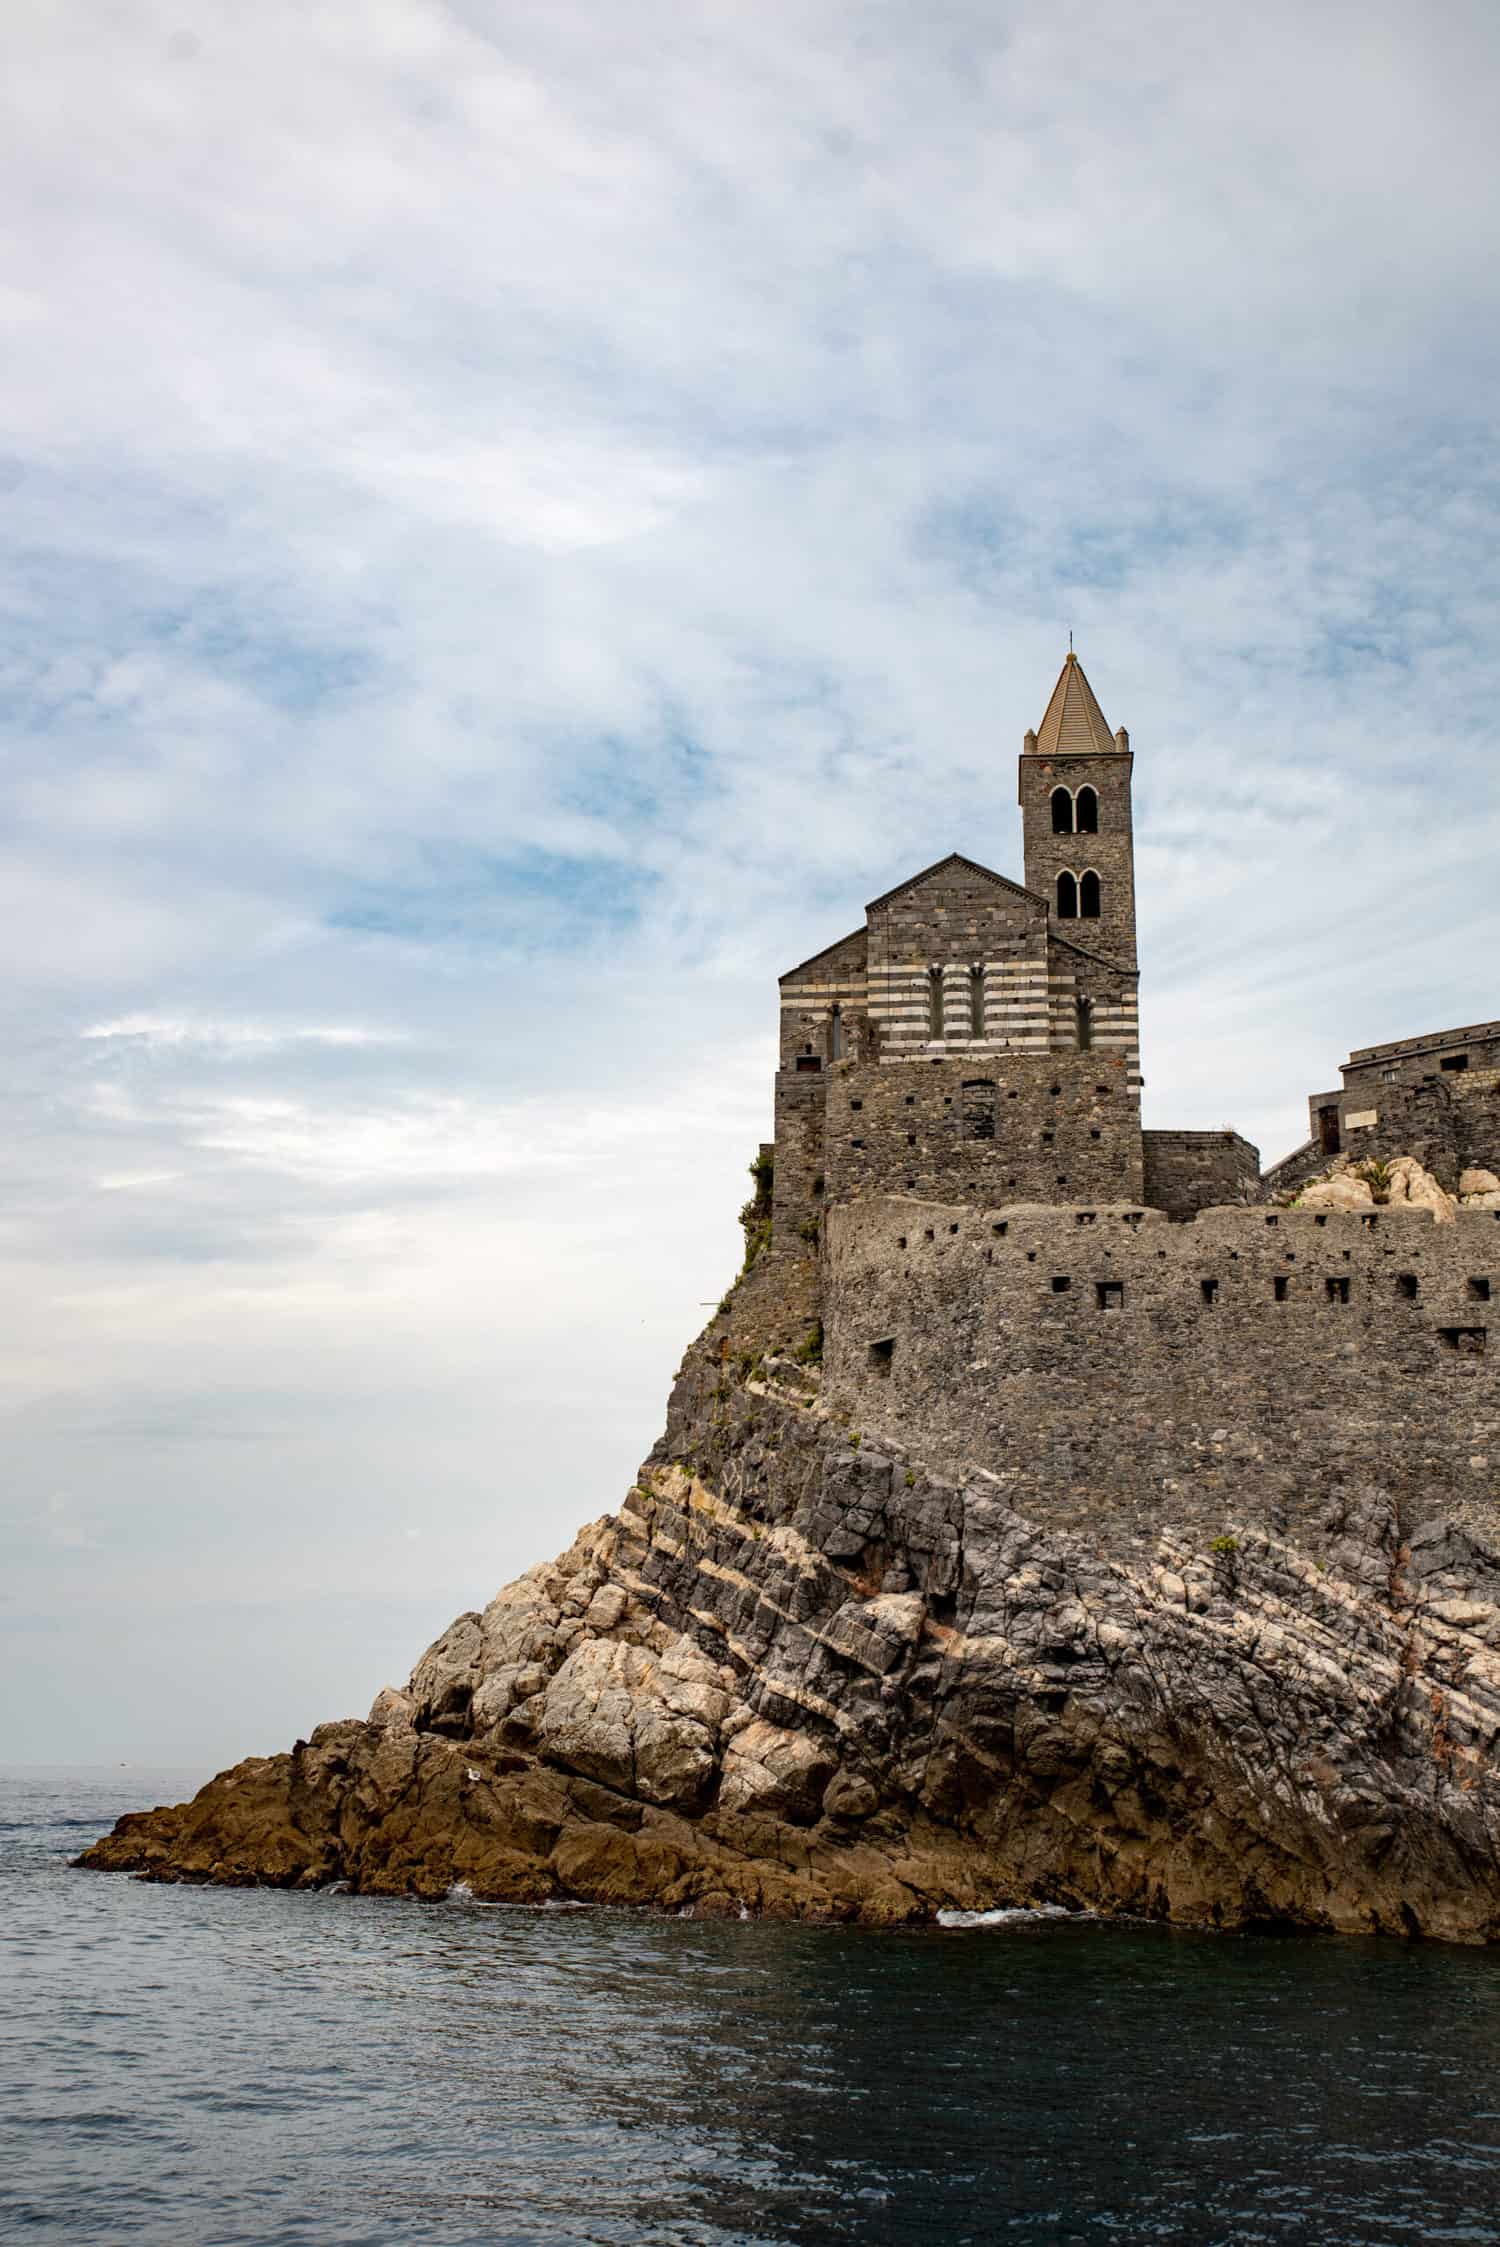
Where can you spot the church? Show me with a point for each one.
(977, 1039)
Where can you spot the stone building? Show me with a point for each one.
(1001, 1280)
(979, 1036)
(1436, 1097)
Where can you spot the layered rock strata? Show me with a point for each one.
(801, 1673)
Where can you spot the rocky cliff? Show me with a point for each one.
(796, 1673)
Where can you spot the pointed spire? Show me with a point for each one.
(1073, 720)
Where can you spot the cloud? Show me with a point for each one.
(240, 1037)
(517, 524)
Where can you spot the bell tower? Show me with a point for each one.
(1076, 820)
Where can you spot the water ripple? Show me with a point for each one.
(217, 2068)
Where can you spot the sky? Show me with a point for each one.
(517, 522)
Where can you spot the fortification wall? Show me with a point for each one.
(1033, 1126)
(1449, 1123)
(1186, 1171)
(1118, 1373)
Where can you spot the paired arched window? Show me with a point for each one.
(976, 1002)
(1078, 897)
(1075, 814)
(934, 1002)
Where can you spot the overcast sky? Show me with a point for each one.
(519, 521)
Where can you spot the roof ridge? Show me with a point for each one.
(958, 858)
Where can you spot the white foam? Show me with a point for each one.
(1008, 1917)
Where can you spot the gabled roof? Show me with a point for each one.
(1073, 723)
(813, 957)
(970, 866)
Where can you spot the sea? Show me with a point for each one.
(221, 2067)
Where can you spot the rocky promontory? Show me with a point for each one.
(802, 1672)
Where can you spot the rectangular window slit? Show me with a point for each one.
(1210, 1290)
(1109, 1294)
(1338, 1289)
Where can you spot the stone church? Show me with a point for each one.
(978, 1038)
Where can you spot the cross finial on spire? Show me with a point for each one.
(1070, 639)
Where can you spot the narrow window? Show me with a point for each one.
(1062, 812)
(1086, 812)
(1479, 1291)
(880, 1355)
(979, 1109)
(1279, 1287)
(1328, 1130)
(836, 1035)
(1088, 898)
(935, 1002)
(1338, 1290)
(1406, 1286)
(1210, 1291)
(1067, 898)
(1060, 1285)
(1083, 1011)
(1109, 1294)
(976, 1002)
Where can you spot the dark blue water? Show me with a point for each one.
(213, 2067)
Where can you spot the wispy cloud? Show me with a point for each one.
(516, 524)
(240, 1037)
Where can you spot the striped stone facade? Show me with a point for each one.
(963, 967)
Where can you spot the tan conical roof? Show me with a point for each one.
(1073, 722)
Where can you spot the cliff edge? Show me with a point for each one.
(803, 1671)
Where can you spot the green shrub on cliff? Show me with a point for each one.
(809, 1350)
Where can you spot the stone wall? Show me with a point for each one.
(955, 918)
(834, 977)
(1294, 1170)
(1450, 1123)
(1009, 1125)
(1434, 1053)
(1110, 853)
(1186, 1171)
(1114, 1370)
(797, 1187)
